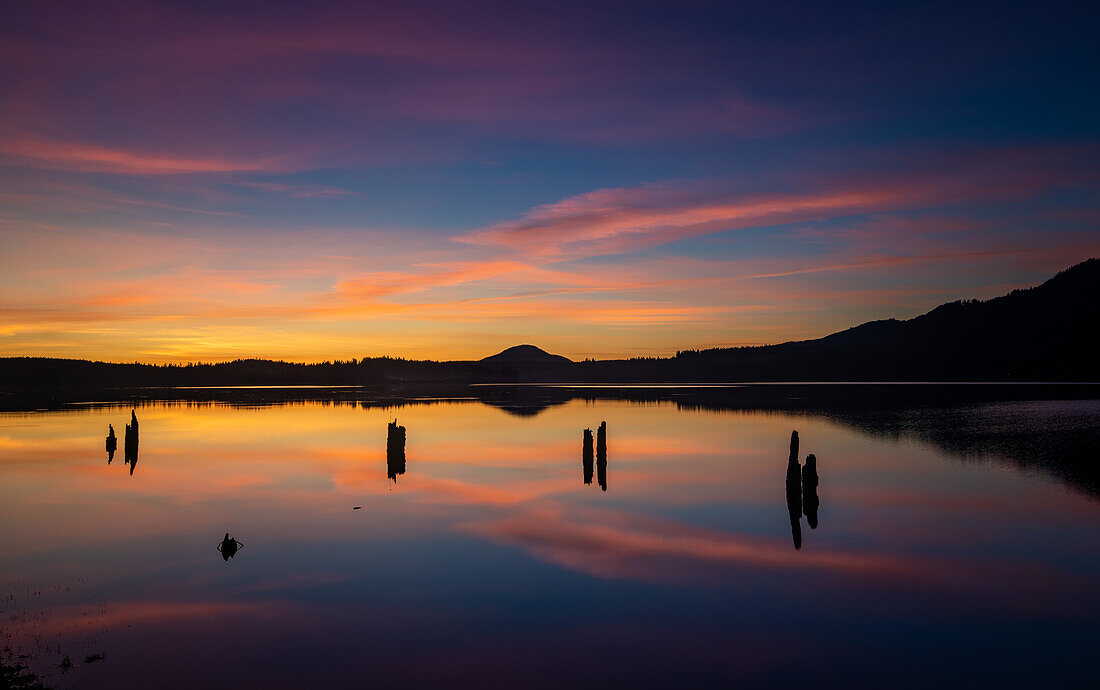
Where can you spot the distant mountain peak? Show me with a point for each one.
(527, 354)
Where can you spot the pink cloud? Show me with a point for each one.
(622, 220)
(619, 220)
(68, 155)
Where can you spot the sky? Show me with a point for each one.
(192, 181)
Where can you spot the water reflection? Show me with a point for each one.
(395, 450)
(1050, 428)
(492, 533)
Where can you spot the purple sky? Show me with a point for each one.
(334, 180)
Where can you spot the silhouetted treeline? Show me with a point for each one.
(47, 372)
(1042, 333)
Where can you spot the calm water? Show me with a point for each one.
(941, 554)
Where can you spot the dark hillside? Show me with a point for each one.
(1042, 332)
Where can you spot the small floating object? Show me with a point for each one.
(228, 547)
(357, 508)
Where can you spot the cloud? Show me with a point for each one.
(351, 87)
(628, 219)
(299, 191)
(619, 220)
(892, 261)
(570, 266)
(83, 157)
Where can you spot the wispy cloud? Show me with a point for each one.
(620, 220)
(627, 219)
(299, 191)
(893, 261)
(87, 157)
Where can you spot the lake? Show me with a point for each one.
(949, 541)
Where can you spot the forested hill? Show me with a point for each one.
(1044, 332)
(1040, 333)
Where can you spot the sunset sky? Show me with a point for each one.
(205, 181)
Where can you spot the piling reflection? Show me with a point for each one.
(395, 450)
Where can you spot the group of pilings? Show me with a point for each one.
(802, 496)
(130, 442)
(600, 456)
(593, 459)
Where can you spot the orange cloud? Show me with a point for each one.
(66, 155)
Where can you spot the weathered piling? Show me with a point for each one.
(130, 443)
(395, 450)
(111, 443)
(586, 456)
(228, 547)
(601, 456)
(794, 491)
(810, 501)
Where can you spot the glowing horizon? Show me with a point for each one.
(182, 183)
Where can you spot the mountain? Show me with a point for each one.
(525, 354)
(527, 363)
